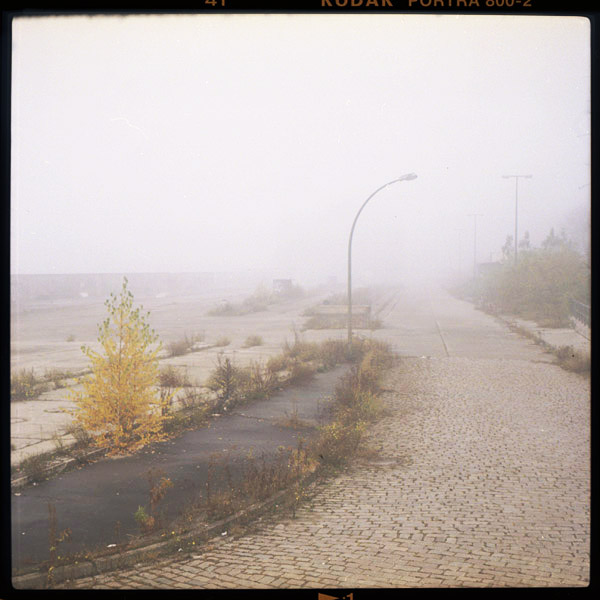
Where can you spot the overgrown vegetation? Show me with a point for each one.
(25, 385)
(119, 404)
(250, 305)
(185, 345)
(170, 376)
(58, 376)
(253, 340)
(258, 480)
(257, 302)
(34, 467)
(55, 538)
(234, 485)
(226, 380)
(539, 286)
(159, 485)
(356, 403)
(573, 360)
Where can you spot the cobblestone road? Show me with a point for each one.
(482, 479)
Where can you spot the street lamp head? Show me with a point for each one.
(408, 177)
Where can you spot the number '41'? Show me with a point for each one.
(215, 2)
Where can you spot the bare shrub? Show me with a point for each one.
(332, 353)
(57, 376)
(24, 385)
(260, 382)
(34, 467)
(226, 379)
(253, 340)
(159, 485)
(259, 479)
(83, 439)
(171, 377)
(278, 363)
(300, 350)
(573, 360)
(301, 373)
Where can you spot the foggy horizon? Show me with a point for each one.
(247, 143)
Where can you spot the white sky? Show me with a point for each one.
(236, 142)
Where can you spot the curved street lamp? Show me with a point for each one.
(407, 177)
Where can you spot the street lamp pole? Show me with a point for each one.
(517, 177)
(475, 243)
(407, 177)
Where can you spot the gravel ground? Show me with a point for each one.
(482, 480)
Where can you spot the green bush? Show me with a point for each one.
(539, 286)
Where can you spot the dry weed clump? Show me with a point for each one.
(301, 373)
(226, 380)
(25, 385)
(185, 345)
(159, 485)
(573, 360)
(259, 479)
(260, 382)
(253, 340)
(278, 363)
(356, 403)
(332, 353)
(171, 377)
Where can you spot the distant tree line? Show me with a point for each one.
(539, 285)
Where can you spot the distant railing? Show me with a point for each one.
(580, 311)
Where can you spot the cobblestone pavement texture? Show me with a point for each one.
(481, 480)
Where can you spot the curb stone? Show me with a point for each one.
(92, 567)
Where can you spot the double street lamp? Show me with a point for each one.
(407, 177)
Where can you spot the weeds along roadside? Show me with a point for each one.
(231, 488)
(356, 402)
(568, 357)
(230, 385)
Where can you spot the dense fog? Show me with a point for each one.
(248, 143)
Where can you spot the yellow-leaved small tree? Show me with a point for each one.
(120, 404)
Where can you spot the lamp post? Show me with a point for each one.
(517, 177)
(407, 177)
